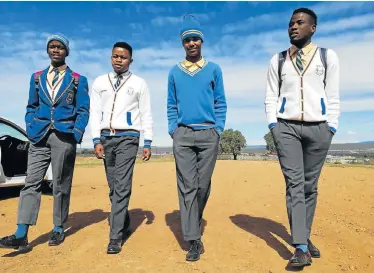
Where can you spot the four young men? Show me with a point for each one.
(302, 109)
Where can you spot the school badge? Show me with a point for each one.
(130, 91)
(70, 97)
(320, 70)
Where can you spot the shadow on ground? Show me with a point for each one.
(173, 221)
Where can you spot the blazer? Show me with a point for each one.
(68, 113)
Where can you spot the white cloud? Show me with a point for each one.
(351, 133)
(349, 23)
(167, 20)
(281, 19)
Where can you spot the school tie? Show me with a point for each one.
(299, 63)
(55, 78)
(118, 82)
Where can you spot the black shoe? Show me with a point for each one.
(13, 242)
(56, 238)
(195, 250)
(314, 251)
(300, 259)
(115, 246)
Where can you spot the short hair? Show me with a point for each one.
(307, 11)
(124, 45)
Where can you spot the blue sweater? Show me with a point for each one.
(197, 99)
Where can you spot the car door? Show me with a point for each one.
(13, 154)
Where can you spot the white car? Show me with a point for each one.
(14, 146)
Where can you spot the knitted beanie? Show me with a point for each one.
(190, 28)
(61, 39)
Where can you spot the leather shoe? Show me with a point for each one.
(195, 250)
(314, 251)
(300, 258)
(114, 246)
(56, 238)
(12, 242)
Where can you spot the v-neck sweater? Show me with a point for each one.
(196, 99)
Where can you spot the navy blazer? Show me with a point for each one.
(69, 113)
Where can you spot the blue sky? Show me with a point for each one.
(240, 36)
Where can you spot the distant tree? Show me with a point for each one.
(232, 142)
(270, 146)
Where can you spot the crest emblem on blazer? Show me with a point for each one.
(70, 97)
(320, 70)
(130, 91)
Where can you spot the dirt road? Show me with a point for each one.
(246, 227)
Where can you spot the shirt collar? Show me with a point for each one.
(123, 74)
(305, 50)
(61, 69)
(200, 63)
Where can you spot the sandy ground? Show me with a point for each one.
(246, 227)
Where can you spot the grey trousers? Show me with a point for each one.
(302, 149)
(120, 155)
(59, 149)
(195, 155)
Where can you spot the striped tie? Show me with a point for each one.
(119, 78)
(299, 63)
(55, 78)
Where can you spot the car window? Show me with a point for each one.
(6, 129)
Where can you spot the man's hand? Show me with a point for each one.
(99, 151)
(146, 154)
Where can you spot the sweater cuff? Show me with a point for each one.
(96, 141)
(147, 143)
(332, 129)
(271, 125)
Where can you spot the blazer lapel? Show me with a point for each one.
(43, 84)
(66, 82)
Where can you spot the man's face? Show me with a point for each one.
(301, 28)
(121, 59)
(192, 46)
(56, 52)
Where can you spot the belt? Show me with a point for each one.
(113, 131)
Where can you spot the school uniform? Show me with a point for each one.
(56, 117)
(303, 117)
(196, 110)
(120, 110)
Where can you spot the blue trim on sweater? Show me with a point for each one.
(281, 110)
(271, 125)
(196, 100)
(96, 141)
(122, 134)
(128, 117)
(323, 106)
(332, 129)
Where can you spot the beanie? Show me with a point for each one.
(61, 39)
(190, 28)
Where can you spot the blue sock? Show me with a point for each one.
(303, 248)
(21, 231)
(59, 229)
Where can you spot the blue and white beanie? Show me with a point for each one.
(190, 28)
(61, 39)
